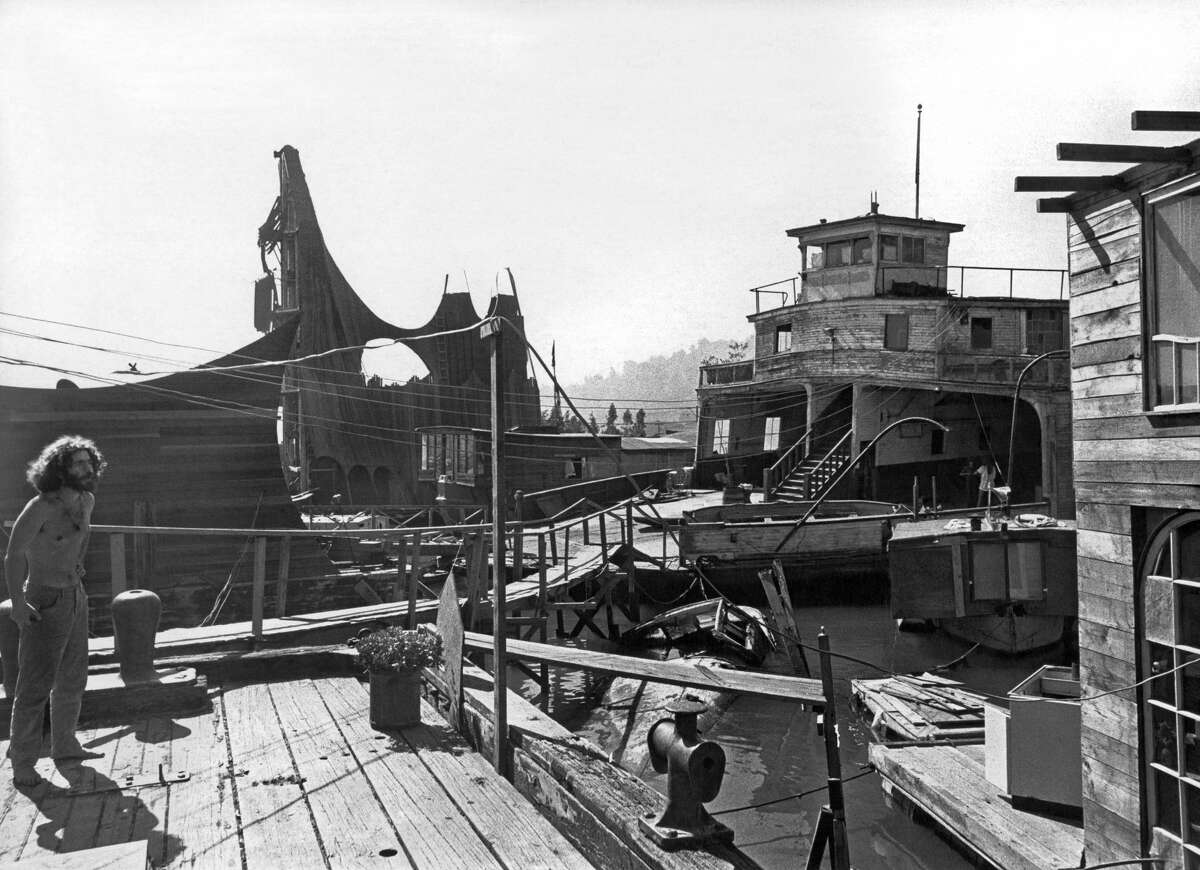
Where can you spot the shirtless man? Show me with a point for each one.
(44, 571)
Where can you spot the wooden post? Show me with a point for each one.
(839, 848)
(259, 588)
(543, 668)
(635, 603)
(414, 577)
(774, 584)
(494, 329)
(401, 567)
(281, 580)
(116, 558)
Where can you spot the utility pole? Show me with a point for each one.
(494, 328)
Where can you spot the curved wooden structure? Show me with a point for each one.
(201, 448)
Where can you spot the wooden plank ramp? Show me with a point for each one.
(947, 786)
(285, 774)
(924, 709)
(677, 672)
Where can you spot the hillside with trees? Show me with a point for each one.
(660, 388)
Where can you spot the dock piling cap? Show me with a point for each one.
(686, 704)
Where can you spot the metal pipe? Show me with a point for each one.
(846, 469)
(1012, 427)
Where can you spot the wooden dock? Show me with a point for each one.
(282, 774)
(946, 786)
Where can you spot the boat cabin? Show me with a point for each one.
(878, 327)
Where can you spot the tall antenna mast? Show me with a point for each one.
(917, 176)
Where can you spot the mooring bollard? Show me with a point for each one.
(135, 614)
(694, 769)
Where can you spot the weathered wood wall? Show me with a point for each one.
(1127, 465)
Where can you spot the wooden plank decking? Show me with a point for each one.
(927, 708)
(285, 774)
(947, 784)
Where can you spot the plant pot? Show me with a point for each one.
(395, 699)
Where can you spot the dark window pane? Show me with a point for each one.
(1161, 661)
(1191, 685)
(913, 250)
(1166, 790)
(889, 248)
(981, 333)
(860, 251)
(895, 327)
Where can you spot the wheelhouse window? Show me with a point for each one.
(889, 248)
(860, 251)
(771, 434)
(1170, 661)
(912, 249)
(836, 254)
(981, 333)
(895, 331)
(720, 436)
(783, 338)
(1173, 291)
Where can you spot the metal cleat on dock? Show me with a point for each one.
(695, 769)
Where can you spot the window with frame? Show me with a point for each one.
(860, 250)
(981, 333)
(1170, 660)
(912, 249)
(895, 332)
(783, 338)
(836, 254)
(1045, 330)
(1007, 571)
(771, 433)
(1172, 225)
(720, 436)
(889, 248)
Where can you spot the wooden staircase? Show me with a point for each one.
(805, 477)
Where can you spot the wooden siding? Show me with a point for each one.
(939, 343)
(1125, 460)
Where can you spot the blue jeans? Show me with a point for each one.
(52, 658)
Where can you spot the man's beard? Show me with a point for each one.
(82, 484)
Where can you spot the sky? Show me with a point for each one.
(636, 166)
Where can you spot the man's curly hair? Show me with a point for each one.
(48, 472)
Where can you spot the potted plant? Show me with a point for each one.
(393, 658)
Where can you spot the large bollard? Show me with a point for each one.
(694, 770)
(10, 638)
(135, 615)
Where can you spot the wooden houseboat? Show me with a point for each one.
(1008, 585)
(1133, 241)
(879, 327)
(554, 470)
(730, 543)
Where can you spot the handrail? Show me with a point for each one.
(828, 458)
(774, 476)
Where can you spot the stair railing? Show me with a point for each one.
(831, 463)
(784, 465)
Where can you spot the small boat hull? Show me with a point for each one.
(1011, 635)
